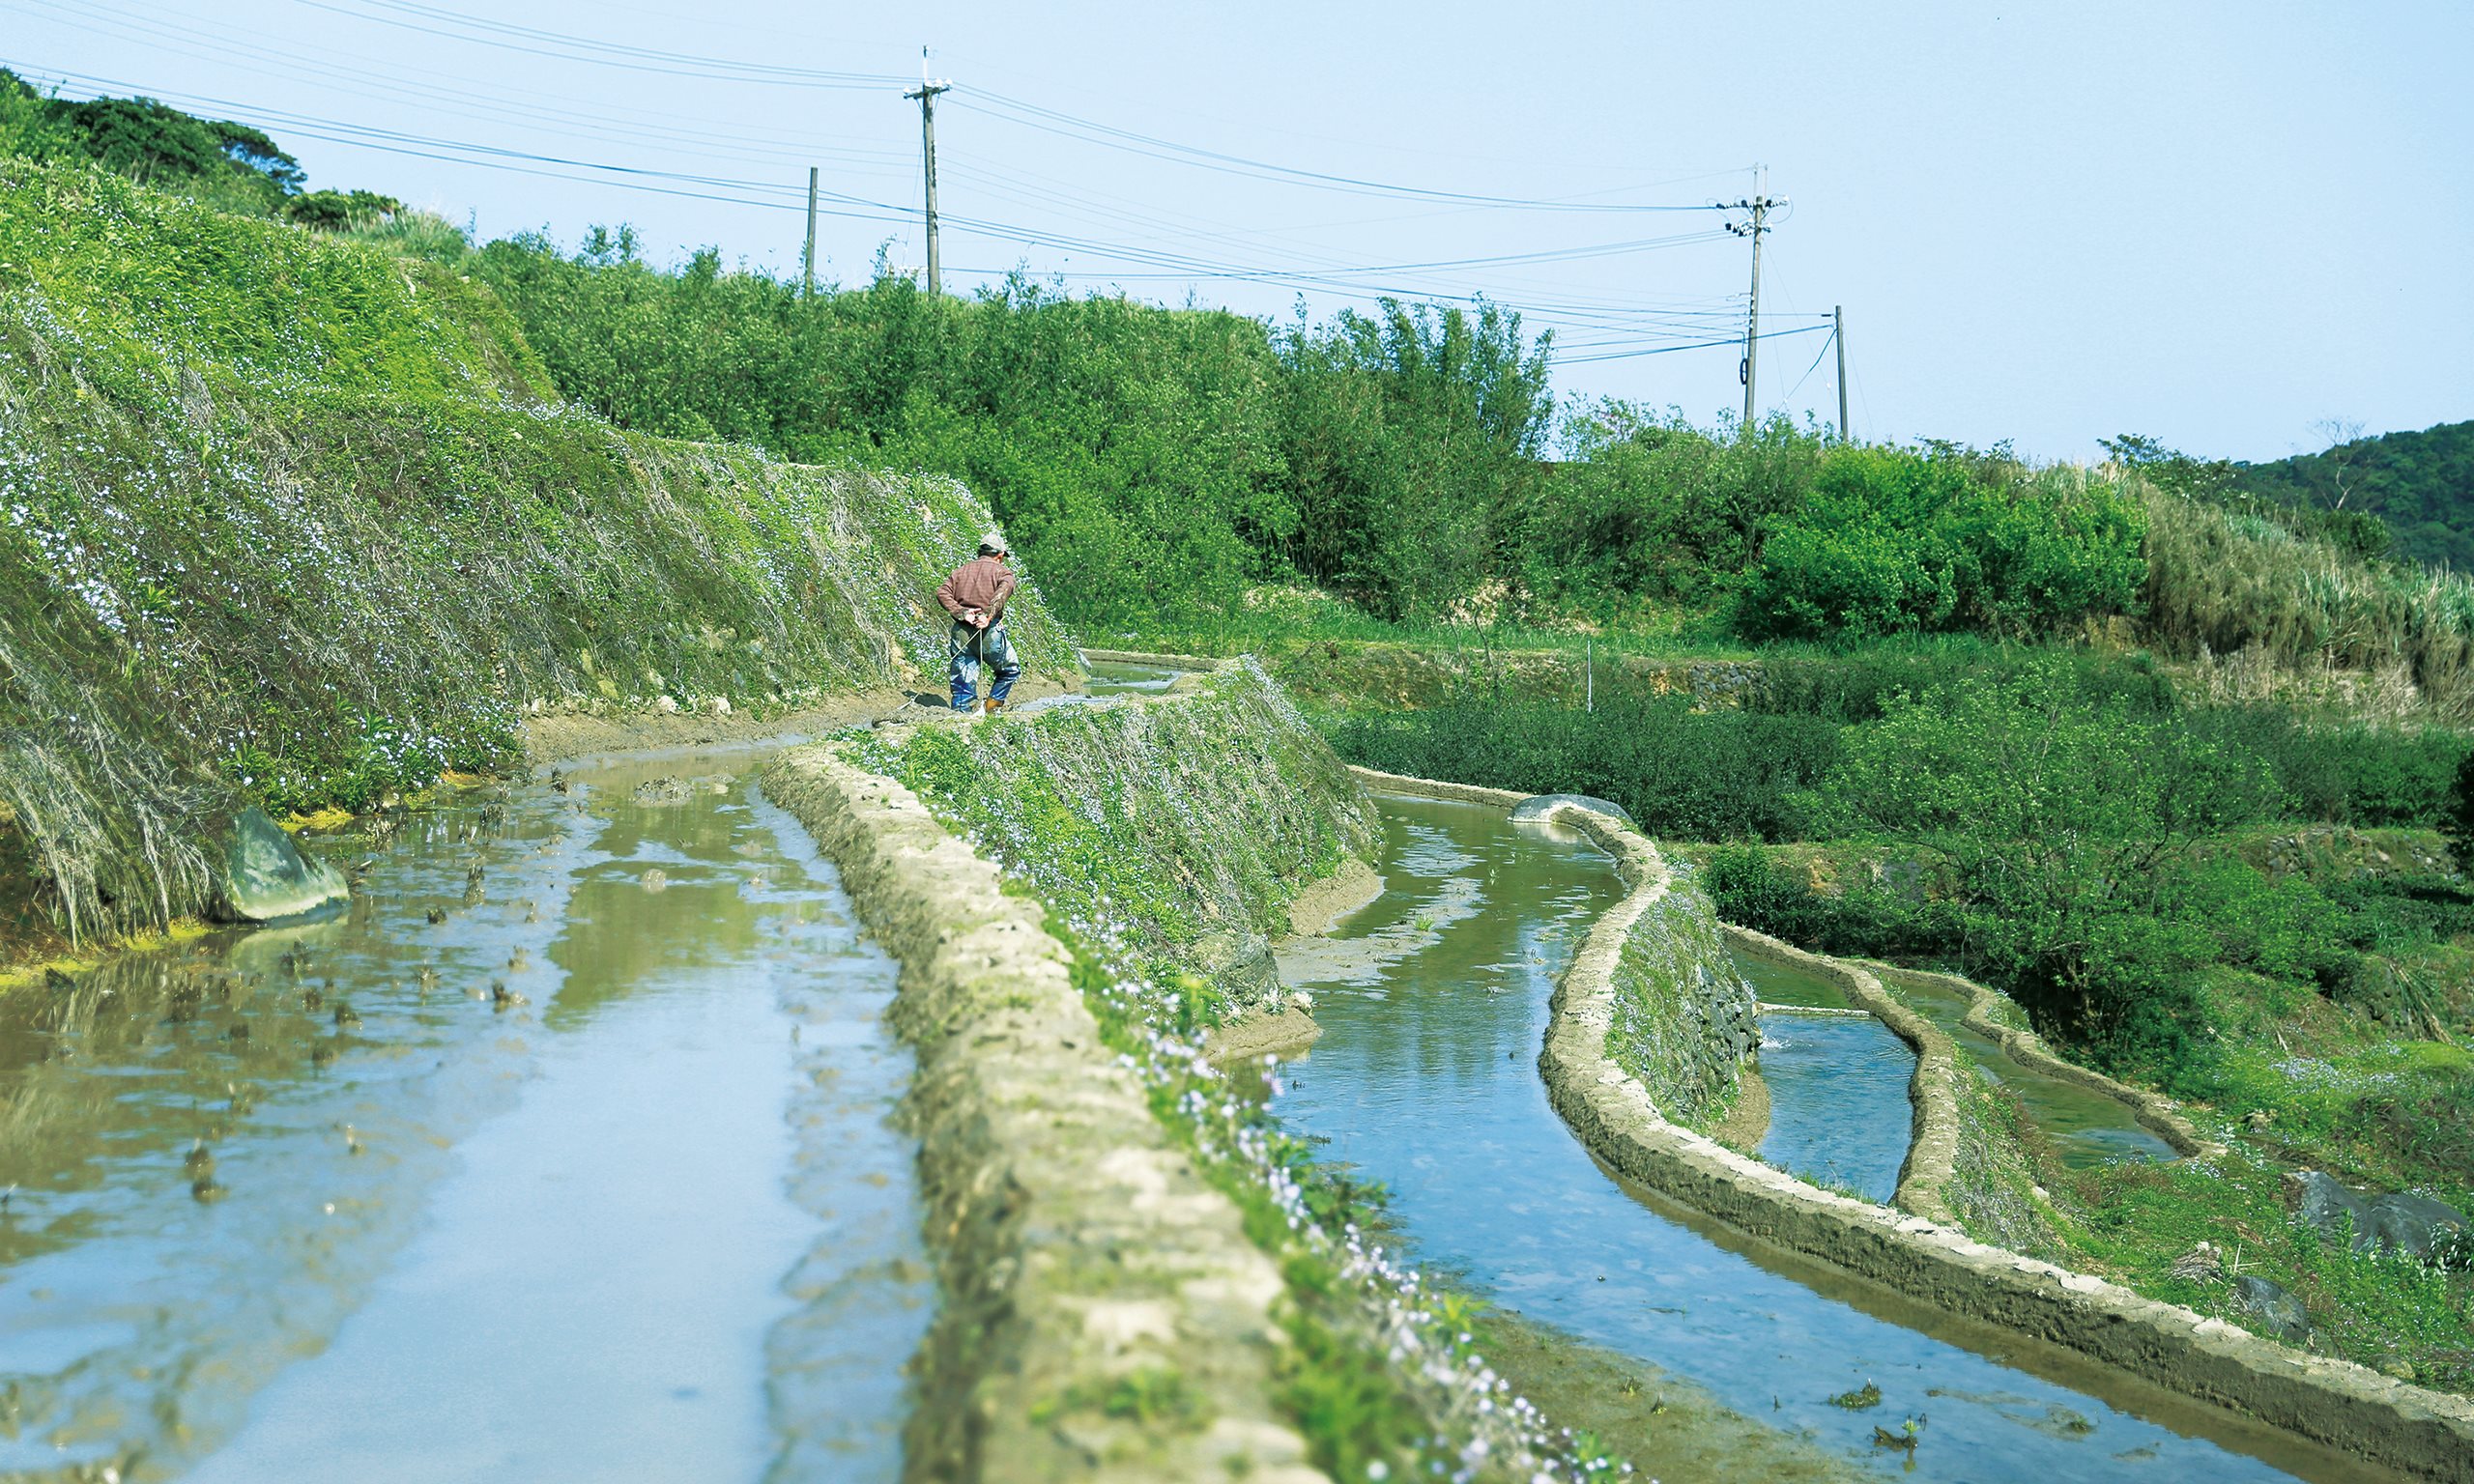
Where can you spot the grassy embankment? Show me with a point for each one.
(285, 519)
(1155, 834)
(2245, 906)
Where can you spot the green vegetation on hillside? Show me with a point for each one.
(286, 519)
(2420, 483)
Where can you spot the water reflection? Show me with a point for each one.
(564, 1167)
(1425, 1079)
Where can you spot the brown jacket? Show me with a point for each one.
(983, 583)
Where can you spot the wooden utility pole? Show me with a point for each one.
(927, 96)
(1760, 206)
(1839, 338)
(808, 261)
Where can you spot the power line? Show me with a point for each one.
(438, 97)
(1634, 323)
(1816, 366)
(1698, 345)
(561, 46)
(1057, 121)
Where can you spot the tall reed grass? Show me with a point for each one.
(2261, 605)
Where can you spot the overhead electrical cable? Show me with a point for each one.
(1057, 121)
(456, 25)
(1621, 326)
(442, 98)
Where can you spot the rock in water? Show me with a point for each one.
(266, 876)
(1546, 804)
(2272, 1310)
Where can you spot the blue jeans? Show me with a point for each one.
(968, 647)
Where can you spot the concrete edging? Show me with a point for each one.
(1436, 788)
(1145, 657)
(2155, 1112)
(2334, 1402)
(1932, 1145)
(1076, 1246)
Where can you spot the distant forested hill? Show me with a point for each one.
(2422, 484)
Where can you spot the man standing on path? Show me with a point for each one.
(975, 595)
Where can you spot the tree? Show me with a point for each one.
(2072, 829)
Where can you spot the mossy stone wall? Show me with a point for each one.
(1684, 1021)
(1178, 829)
(284, 520)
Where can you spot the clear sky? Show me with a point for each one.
(2216, 223)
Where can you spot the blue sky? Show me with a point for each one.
(2219, 224)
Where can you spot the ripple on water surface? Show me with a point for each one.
(1425, 1079)
(1839, 1111)
(639, 1218)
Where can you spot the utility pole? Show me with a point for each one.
(1760, 206)
(807, 261)
(1839, 338)
(927, 96)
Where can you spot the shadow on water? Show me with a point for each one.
(323, 1199)
(1425, 1080)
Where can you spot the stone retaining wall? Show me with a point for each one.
(1104, 1315)
(2155, 1112)
(2344, 1405)
(1145, 657)
(1932, 1151)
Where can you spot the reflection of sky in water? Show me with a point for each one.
(1839, 1113)
(1433, 1090)
(566, 1244)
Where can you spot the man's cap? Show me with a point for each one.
(993, 542)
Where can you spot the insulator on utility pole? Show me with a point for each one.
(927, 96)
(1759, 207)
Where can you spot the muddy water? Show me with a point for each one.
(1118, 677)
(1425, 1079)
(322, 1202)
(2086, 1127)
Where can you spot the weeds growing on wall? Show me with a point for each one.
(284, 519)
(1146, 829)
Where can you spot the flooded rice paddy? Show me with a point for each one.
(1425, 1080)
(2086, 1127)
(1840, 1114)
(561, 1154)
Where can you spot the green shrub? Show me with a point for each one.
(1892, 541)
(1682, 774)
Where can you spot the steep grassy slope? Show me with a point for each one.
(285, 519)
(1187, 825)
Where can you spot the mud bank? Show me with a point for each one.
(1089, 1275)
(2343, 1405)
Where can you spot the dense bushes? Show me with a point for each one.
(1890, 541)
(1158, 462)
(1721, 775)
(1148, 461)
(2071, 819)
